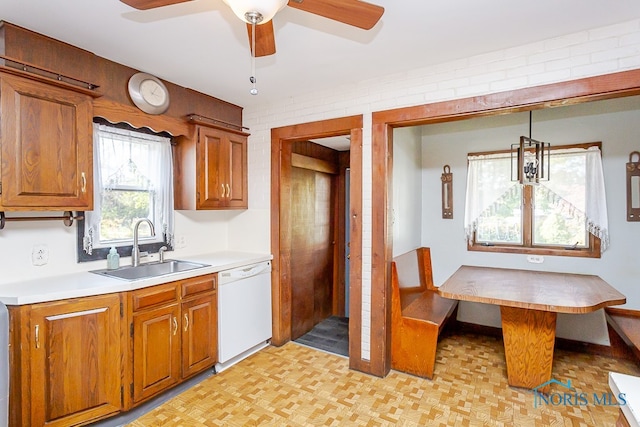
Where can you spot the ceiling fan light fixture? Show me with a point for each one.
(256, 11)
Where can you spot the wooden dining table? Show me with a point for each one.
(529, 303)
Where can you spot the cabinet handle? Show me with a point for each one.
(83, 176)
(222, 185)
(186, 322)
(228, 191)
(37, 336)
(175, 325)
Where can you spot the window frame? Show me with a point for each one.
(124, 250)
(527, 247)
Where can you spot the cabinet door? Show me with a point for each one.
(75, 361)
(156, 350)
(46, 147)
(222, 169)
(210, 153)
(237, 194)
(199, 334)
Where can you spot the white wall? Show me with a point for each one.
(407, 190)
(587, 53)
(201, 232)
(614, 122)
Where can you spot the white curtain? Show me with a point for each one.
(488, 181)
(597, 219)
(483, 193)
(155, 166)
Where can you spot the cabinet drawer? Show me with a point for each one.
(154, 296)
(198, 285)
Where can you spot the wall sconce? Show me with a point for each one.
(447, 192)
(530, 160)
(633, 187)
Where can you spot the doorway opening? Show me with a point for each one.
(308, 205)
(318, 243)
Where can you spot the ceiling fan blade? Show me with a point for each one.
(150, 4)
(265, 39)
(352, 12)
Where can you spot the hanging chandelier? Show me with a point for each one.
(530, 159)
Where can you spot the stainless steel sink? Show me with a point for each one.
(150, 269)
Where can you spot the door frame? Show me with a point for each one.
(615, 85)
(281, 221)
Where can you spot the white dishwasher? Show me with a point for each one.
(244, 312)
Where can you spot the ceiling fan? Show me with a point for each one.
(258, 13)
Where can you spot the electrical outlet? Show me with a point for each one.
(40, 255)
(181, 242)
(535, 259)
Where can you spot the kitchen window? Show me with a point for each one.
(565, 215)
(133, 180)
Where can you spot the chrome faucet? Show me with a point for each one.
(161, 252)
(135, 252)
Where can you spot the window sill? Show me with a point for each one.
(577, 253)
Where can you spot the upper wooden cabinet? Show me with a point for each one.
(211, 170)
(46, 138)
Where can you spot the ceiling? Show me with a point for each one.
(202, 45)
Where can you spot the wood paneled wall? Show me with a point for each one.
(112, 78)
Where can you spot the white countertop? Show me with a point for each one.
(630, 387)
(84, 284)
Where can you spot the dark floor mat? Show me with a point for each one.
(332, 335)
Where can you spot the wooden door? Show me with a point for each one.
(312, 249)
(199, 334)
(75, 361)
(156, 350)
(47, 145)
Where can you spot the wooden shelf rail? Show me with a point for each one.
(68, 217)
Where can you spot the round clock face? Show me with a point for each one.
(152, 92)
(148, 93)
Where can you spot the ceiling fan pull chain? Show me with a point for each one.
(252, 79)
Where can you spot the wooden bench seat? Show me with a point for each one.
(624, 331)
(418, 314)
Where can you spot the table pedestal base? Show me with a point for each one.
(529, 337)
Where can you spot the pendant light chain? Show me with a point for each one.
(252, 79)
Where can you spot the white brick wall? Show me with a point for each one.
(584, 54)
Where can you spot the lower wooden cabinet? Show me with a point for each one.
(76, 361)
(199, 334)
(156, 351)
(67, 361)
(174, 334)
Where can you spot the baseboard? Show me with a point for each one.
(473, 328)
(561, 343)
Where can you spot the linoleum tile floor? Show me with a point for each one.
(294, 385)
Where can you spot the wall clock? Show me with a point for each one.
(148, 93)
